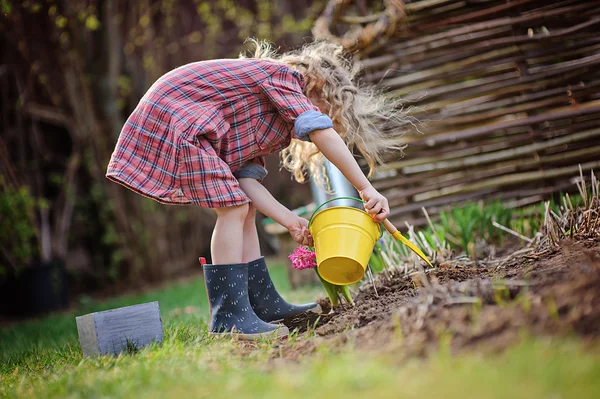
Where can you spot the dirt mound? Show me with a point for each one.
(554, 291)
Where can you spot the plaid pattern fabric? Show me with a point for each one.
(201, 122)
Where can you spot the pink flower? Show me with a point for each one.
(303, 258)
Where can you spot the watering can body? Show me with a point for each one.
(344, 238)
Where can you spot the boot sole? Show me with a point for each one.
(281, 332)
(317, 309)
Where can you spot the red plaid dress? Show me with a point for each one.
(199, 123)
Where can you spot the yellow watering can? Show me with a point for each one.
(344, 238)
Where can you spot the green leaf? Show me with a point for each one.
(5, 6)
(345, 291)
(331, 291)
(92, 23)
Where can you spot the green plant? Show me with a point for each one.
(464, 225)
(17, 228)
(461, 223)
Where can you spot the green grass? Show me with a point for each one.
(42, 359)
(30, 338)
(24, 340)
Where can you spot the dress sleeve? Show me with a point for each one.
(309, 121)
(284, 91)
(254, 170)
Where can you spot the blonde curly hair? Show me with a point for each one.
(360, 115)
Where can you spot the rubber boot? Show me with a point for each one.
(264, 298)
(230, 310)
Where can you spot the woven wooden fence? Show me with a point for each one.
(508, 93)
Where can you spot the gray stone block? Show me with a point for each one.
(117, 330)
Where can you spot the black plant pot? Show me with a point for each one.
(40, 288)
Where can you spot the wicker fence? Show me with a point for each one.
(508, 92)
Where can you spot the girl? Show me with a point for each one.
(199, 135)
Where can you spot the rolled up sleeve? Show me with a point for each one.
(251, 170)
(309, 121)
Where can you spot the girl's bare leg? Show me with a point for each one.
(251, 247)
(226, 279)
(264, 298)
(227, 241)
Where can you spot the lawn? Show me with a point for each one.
(42, 359)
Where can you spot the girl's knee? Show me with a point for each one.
(251, 212)
(234, 212)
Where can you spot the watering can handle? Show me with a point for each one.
(331, 200)
(335, 199)
(386, 223)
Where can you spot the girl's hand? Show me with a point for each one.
(299, 231)
(376, 204)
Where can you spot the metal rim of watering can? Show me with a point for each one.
(381, 228)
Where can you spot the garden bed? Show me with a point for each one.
(489, 306)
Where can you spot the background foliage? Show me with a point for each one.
(70, 74)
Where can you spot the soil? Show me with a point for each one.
(554, 291)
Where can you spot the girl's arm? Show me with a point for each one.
(332, 146)
(266, 204)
